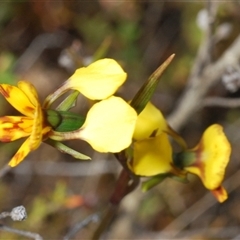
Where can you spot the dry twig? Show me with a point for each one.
(198, 85)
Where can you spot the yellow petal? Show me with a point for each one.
(220, 194)
(99, 80)
(30, 91)
(18, 99)
(109, 125)
(149, 120)
(12, 128)
(152, 156)
(152, 122)
(22, 152)
(213, 153)
(35, 138)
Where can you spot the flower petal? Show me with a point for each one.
(18, 99)
(109, 125)
(29, 91)
(152, 122)
(152, 156)
(99, 80)
(13, 128)
(220, 194)
(22, 152)
(149, 120)
(212, 157)
(36, 136)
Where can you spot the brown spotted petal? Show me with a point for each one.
(18, 99)
(22, 152)
(14, 127)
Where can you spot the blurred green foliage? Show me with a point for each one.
(7, 60)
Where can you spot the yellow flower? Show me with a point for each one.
(152, 156)
(108, 127)
(152, 152)
(23, 98)
(211, 157)
(151, 122)
(110, 123)
(97, 81)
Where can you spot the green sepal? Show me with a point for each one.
(68, 102)
(63, 121)
(65, 149)
(70, 122)
(153, 181)
(182, 179)
(145, 93)
(53, 118)
(184, 159)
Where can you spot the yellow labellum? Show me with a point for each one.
(220, 193)
(213, 153)
(152, 156)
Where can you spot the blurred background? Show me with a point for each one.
(44, 42)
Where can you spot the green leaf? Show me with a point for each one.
(65, 149)
(68, 102)
(153, 181)
(145, 93)
(182, 179)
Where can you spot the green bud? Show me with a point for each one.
(63, 121)
(53, 118)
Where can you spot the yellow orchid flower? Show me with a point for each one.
(152, 156)
(108, 127)
(23, 98)
(211, 157)
(110, 123)
(152, 152)
(97, 81)
(151, 122)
